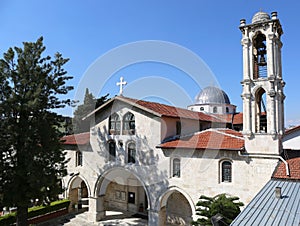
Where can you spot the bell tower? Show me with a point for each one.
(263, 96)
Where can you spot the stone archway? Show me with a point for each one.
(78, 194)
(121, 190)
(176, 208)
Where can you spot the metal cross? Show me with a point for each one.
(121, 84)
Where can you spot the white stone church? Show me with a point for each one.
(156, 160)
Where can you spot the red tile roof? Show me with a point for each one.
(217, 139)
(291, 130)
(171, 111)
(162, 110)
(294, 167)
(238, 118)
(231, 118)
(77, 139)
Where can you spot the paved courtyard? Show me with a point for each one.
(112, 218)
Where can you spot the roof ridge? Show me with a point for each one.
(291, 129)
(181, 112)
(230, 135)
(74, 134)
(128, 99)
(185, 109)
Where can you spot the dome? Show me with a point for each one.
(260, 17)
(212, 95)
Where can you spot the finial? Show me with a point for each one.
(121, 84)
(274, 15)
(242, 22)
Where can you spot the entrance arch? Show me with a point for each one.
(176, 208)
(122, 190)
(78, 193)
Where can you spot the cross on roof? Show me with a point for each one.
(121, 84)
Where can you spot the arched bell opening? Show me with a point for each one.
(259, 56)
(261, 111)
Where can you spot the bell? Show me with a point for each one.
(262, 61)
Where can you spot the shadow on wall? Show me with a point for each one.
(145, 166)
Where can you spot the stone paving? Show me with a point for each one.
(112, 218)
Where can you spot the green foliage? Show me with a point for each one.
(66, 126)
(35, 211)
(8, 219)
(226, 206)
(54, 206)
(32, 159)
(90, 103)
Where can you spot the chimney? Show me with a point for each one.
(278, 192)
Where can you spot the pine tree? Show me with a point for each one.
(32, 159)
(221, 205)
(90, 103)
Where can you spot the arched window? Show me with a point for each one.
(227, 110)
(215, 110)
(131, 151)
(128, 124)
(261, 111)
(112, 150)
(78, 158)
(176, 167)
(114, 124)
(226, 171)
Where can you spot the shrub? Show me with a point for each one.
(224, 206)
(35, 211)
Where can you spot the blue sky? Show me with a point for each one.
(86, 30)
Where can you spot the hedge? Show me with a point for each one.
(35, 211)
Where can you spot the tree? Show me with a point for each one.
(90, 103)
(32, 158)
(223, 206)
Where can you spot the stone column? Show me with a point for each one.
(272, 108)
(271, 54)
(272, 113)
(153, 218)
(96, 208)
(246, 63)
(247, 130)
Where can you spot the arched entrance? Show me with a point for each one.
(176, 208)
(122, 191)
(78, 194)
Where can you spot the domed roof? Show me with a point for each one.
(212, 95)
(260, 17)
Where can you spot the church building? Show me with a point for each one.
(156, 160)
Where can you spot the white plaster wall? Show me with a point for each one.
(292, 141)
(208, 108)
(168, 126)
(85, 172)
(262, 143)
(201, 175)
(147, 137)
